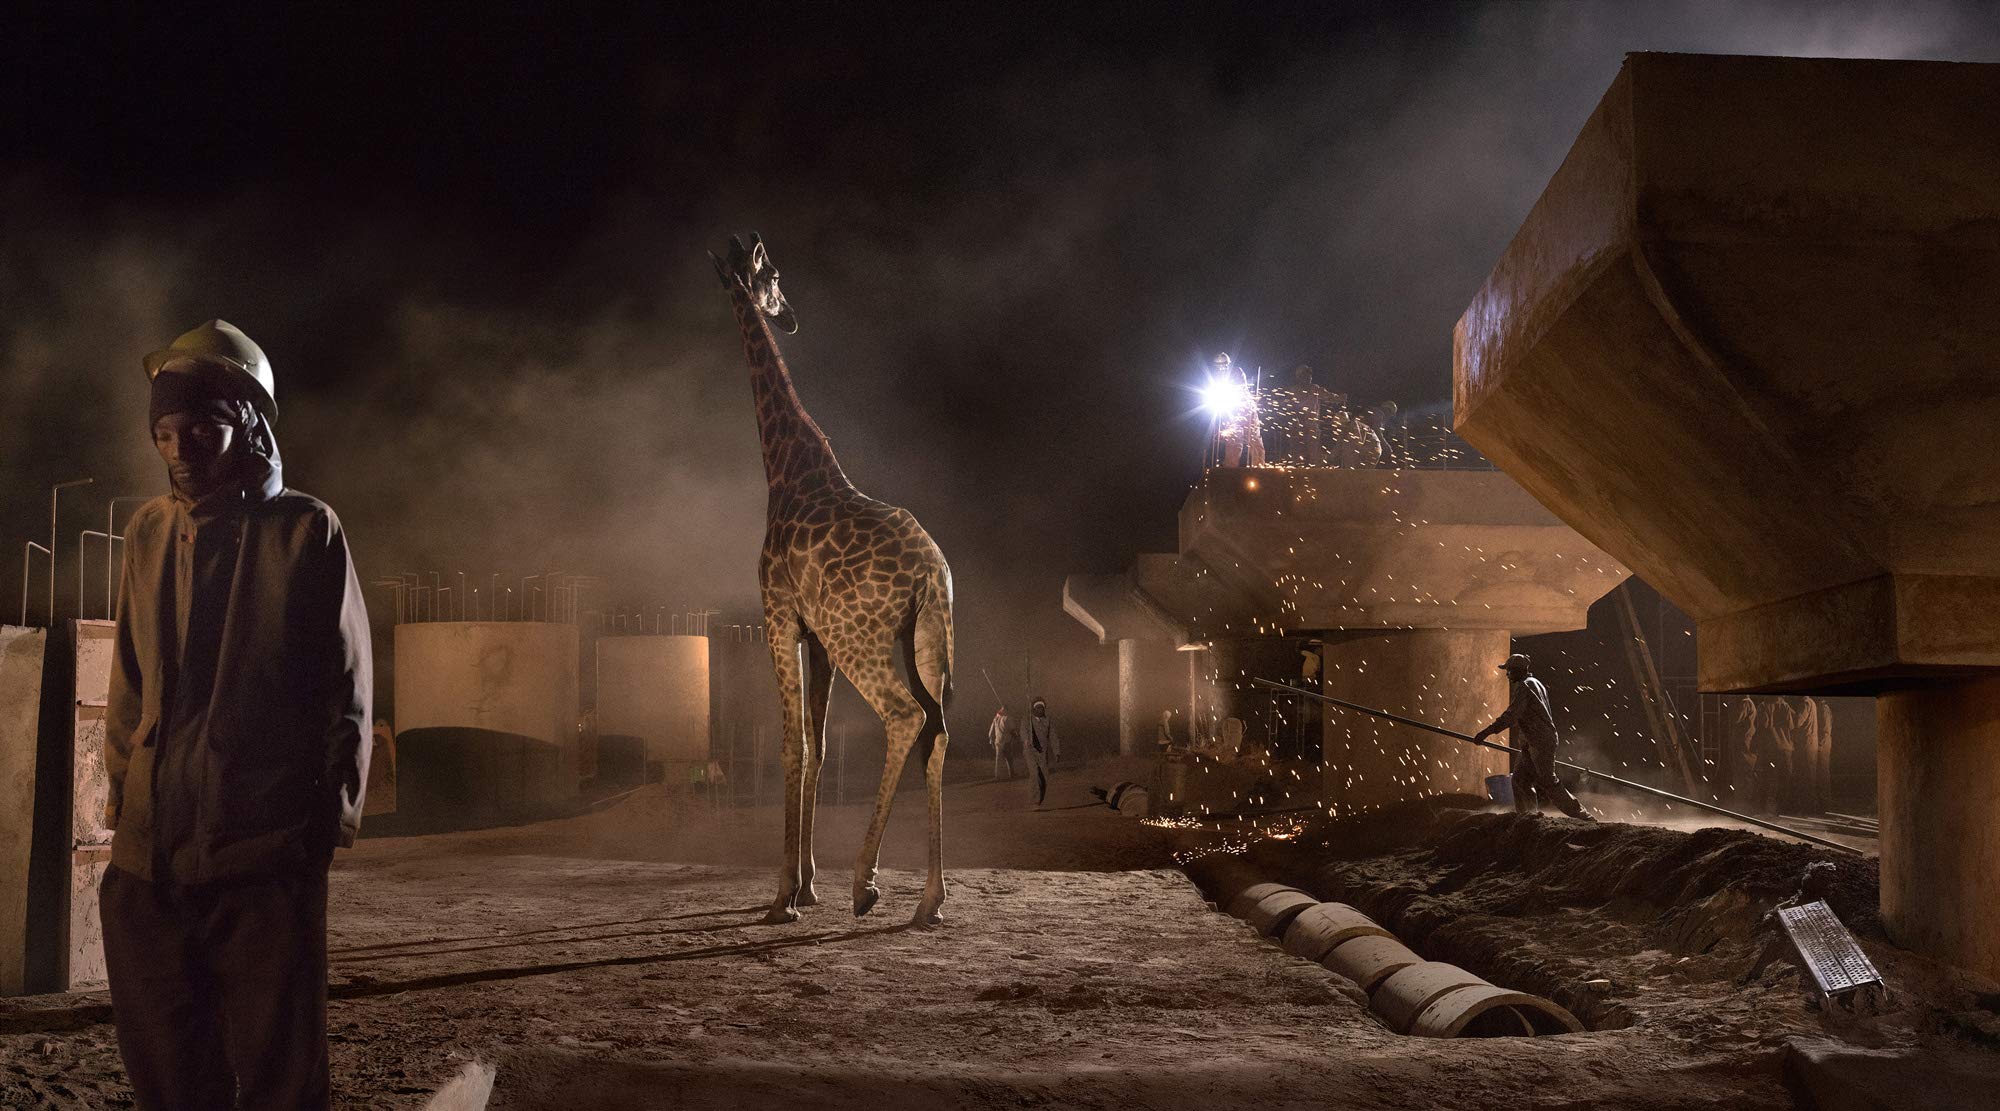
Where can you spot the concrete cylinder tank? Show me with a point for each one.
(652, 707)
(486, 720)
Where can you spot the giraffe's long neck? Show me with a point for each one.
(797, 456)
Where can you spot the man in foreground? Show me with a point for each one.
(1531, 727)
(234, 749)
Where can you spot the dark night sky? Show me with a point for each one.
(473, 247)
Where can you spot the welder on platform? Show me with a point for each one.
(235, 749)
(1238, 430)
(1531, 727)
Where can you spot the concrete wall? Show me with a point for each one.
(21, 651)
(656, 688)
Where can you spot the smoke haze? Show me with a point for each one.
(476, 258)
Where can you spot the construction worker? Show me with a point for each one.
(1743, 735)
(1531, 727)
(1805, 756)
(1238, 431)
(1040, 745)
(1001, 734)
(1356, 442)
(1774, 756)
(236, 748)
(1301, 410)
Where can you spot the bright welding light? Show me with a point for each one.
(1224, 397)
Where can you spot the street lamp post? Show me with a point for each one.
(55, 492)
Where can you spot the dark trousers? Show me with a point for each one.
(219, 991)
(1038, 770)
(1535, 782)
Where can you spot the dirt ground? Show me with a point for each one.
(616, 960)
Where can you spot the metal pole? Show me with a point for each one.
(108, 538)
(1457, 736)
(27, 557)
(55, 492)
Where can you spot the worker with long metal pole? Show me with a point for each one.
(1000, 734)
(1530, 722)
(1468, 739)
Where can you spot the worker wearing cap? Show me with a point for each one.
(1039, 745)
(1531, 726)
(233, 747)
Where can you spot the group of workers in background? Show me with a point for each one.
(1311, 424)
(1035, 739)
(1784, 749)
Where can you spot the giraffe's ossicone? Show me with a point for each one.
(850, 586)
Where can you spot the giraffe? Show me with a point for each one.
(850, 586)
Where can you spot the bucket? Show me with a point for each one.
(1500, 788)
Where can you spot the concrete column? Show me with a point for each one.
(1938, 791)
(1130, 727)
(21, 651)
(1446, 677)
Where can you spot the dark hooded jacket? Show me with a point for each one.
(240, 686)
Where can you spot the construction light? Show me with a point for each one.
(1224, 397)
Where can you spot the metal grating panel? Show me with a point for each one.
(1827, 949)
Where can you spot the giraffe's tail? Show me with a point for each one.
(939, 612)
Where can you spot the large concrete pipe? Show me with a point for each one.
(1482, 1010)
(1320, 927)
(1370, 959)
(1751, 354)
(1408, 990)
(1410, 995)
(1270, 907)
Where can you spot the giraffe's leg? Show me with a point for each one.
(930, 912)
(785, 638)
(903, 720)
(818, 677)
(928, 652)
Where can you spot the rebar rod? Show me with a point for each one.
(1468, 739)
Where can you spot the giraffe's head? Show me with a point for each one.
(749, 269)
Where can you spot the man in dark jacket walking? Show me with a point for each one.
(234, 745)
(1531, 727)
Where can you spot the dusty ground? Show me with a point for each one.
(616, 960)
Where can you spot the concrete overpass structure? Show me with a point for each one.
(1747, 342)
(1409, 582)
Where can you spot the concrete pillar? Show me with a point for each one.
(1938, 792)
(21, 652)
(1131, 729)
(1446, 677)
(1682, 354)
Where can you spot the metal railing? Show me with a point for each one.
(423, 596)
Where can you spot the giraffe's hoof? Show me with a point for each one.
(865, 899)
(927, 917)
(779, 915)
(808, 897)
